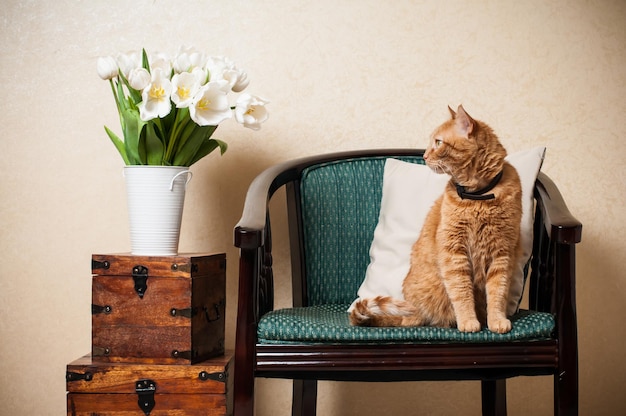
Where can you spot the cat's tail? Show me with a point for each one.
(380, 311)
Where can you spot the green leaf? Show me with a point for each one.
(186, 153)
(182, 127)
(223, 146)
(144, 60)
(135, 146)
(119, 145)
(207, 147)
(154, 146)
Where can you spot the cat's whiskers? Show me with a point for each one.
(438, 167)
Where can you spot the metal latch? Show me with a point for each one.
(145, 390)
(140, 277)
(217, 307)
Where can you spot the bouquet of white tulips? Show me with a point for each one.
(169, 108)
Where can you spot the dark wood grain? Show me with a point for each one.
(180, 388)
(153, 327)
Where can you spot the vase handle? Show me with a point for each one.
(189, 175)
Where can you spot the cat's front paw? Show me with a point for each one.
(499, 325)
(469, 325)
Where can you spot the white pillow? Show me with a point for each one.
(409, 191)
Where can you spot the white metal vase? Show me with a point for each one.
(156, 196)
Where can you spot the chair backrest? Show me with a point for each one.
(340, 204)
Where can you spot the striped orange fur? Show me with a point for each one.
(461, 264)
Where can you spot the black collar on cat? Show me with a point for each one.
(480, 194)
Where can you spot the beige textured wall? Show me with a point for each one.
(340, 75)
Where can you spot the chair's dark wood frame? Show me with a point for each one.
(552, 289)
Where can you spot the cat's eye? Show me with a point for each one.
(438, 143)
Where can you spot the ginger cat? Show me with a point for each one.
(462, 262)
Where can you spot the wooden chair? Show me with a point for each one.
(314, 341)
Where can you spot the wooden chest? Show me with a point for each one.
(107, 389)
(161, 310)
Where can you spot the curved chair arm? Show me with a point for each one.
(556, 232)
(561, 225)
(250, 230)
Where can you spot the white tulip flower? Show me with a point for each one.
(216, 65)
(155, 100)
(250, 111)
(128, 61)
(107, 67)
(188, 59)
(237, 79)
(160, 61)
(223, 68)
(209, 106)
(139, 78)
(185, 85)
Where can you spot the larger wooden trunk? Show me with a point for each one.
(158, 309)
(117, 389)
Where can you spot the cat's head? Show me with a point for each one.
(461, 145)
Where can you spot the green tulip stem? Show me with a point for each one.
(182, 118)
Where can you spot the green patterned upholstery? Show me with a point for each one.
(340, 207)
(330, 324)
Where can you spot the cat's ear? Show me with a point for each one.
(464, 122)
(452, 113)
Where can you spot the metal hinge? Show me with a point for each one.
(203, 375)
(191, 312)
(187, 312)
(185, 355)
(96, 309)
(100, 351)
(145, 391)
(95, 264)
(71, 376)
(140, 277)
(185, 267)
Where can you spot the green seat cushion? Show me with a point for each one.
(329, 324)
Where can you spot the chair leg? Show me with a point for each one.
(566, 377)
(243, 394)
(494, 397)
(304, 398)
(566, 392)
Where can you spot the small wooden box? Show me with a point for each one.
(107, 389)
(161, 310)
